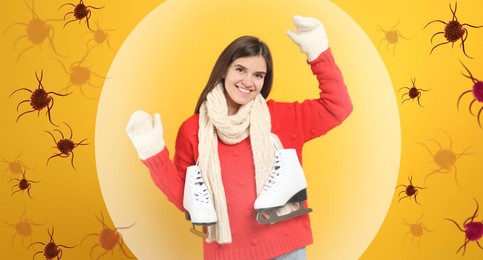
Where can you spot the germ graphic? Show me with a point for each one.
(453, 31)
(37, 31)
(473, 230)
(108, 238)
(416, 230)
(444, 158)
(80, 12)
(99, 37)
(477, 91)
(65, 145)
(51, 249)
(39, 99)
(15, 166)
(391, 37)
(23, 184)
(23, 229)
(413, 93)
(409, 190)
(79, 75)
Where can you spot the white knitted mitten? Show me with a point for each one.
(146, 133)
(311, 36)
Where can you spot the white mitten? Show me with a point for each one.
(146, 133)
(311, 36)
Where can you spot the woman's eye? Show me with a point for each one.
(239, 69)
(259, 75)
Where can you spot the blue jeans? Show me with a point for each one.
(299, 254)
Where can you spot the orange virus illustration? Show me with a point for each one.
(391, 37)
(413, 93)
(37, 31)
(65, 145)
(80, 12)
(23, 229)
(416, 231)
(453, 31)
(51, 249)
(39, 99)
(22, 184)
(409, 190)
(477, 91)
(473, 230)
(108, 239)
(99, 37)
(444, 158)
(15, 166)
(80, 76)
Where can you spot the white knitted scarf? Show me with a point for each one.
(252, 119)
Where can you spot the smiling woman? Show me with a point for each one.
(166, 73)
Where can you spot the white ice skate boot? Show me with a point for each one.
(285, 184)
(197, 201)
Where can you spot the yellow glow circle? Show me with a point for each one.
(162, 67)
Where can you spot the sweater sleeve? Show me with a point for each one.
(315, 117)
(169, 176)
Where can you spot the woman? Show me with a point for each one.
(228, 138)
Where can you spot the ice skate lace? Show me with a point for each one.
(200, 191)
(275, 175)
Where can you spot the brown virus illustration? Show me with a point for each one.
(39, 99)
(22, 184)
(51, 249)
(65, 145)
(413, 93)
(410, 190)
(80, 12)
(453, 31)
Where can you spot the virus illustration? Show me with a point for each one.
(410, 190)
(80, 12)
(80, 76)
(22, 184)
(416, 230)
(108, 239)
(23, 229)
(39, 99)
(99, 37)
(15, 166)
(473, 230)
(37, 31)
(51, 249)
(444, 158)
(412, 93)
(477, 91)
(65, 145)
(391, 37)
(453, 31)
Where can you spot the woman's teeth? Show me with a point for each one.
(244, 90)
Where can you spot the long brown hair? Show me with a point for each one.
(244, 46)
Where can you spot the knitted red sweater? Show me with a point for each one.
(294, 123)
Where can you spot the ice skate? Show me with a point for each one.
(285, 184)
(197, 202)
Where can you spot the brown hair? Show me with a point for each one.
(243, 46)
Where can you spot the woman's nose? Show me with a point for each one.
(247, 80)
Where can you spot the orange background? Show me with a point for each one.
(70, 200)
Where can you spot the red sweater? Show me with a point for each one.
(294, 123)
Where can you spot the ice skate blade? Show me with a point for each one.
(198, 233)
(274, 218)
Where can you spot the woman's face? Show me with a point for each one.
(243, 81)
